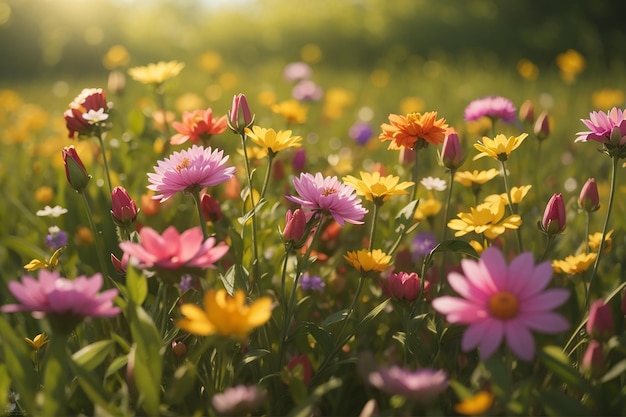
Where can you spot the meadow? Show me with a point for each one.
(210, 233)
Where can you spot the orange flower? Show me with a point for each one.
(406, 131)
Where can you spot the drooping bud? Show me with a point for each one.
(124, 209)
(542, 126)
(451, 152)
(553, 221)
(239, 116)
(600, 324)
(589, 198)
(75, 170)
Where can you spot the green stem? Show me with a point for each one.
(510, 203)
(605, 227)
(160, 96)
(55, 376)
(444, 232)
(587, 222)
(255, 250)
(96, 235)
(104, 161)
(266, 181)
(550, 239)
(373, 229)
(196, 198)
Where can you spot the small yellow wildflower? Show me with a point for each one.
(427, 208)
(486, 218)
(476, 405)
(44, 194)
(376, 188)
(570, 63)
(594, 241)
(156, 73)
(51, 263)
(573, 265)
(607, 98)
(471, 178)
(38, 342)
(225, 315)
(517, 195)
(500, 147)
(273, 141)
(366, 261)
(291, 110)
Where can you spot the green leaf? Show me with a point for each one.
(183, 381)
(116, 364)
(305, 409)
(372, 314)
(91, 356)
(557, 403)
(5, 385)
(335, 317)
(321, 335)
(23, 247)
(137, 286)
(616, 370)
(458, 246)
(93, 389)
(254, 355)
(499, 375)
(558, 362)
(405, 217)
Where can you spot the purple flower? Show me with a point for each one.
(187, 282)
(327, 195)
(419, 385)
(297, 71)
(312, 283)
(494, 107)
(238, 400)
(307, 90)
(361, 132)
(189, 169)
(298, 162)
(422, 244)
(56, 238)
(52, 295)
(607, 128)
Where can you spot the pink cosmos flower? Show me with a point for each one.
(419, 385)
(602, 127)
(52, 295)
(329, 196)
(503, 302)
(239, 400)
(494, 107)
(198, 125)
(193, 168)
(172, 250)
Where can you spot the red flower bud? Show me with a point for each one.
(304, 362)
(89, 100)
(593, 360)
(451, 152)
(600, 324)
(211, 210)
(553, 221)
(589, 198)
(403, 286)
(295, 224)
(75, 170)
(124, 208)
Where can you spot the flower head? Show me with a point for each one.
(225, 315)
(427, 208)
(573, 265)
(475, 177)
(600, 324)
(542, 126)
(594, 240)
(56, 238)
(156, 73)
(48, 211)
(198, 125)
(553, 221)
(476, 405)
(494, 107)
(451, 155)
(124, 209)
(422, 244)
(85, 112)
(501, 301)
(240, 400)
(376, 188)
(327, 195)
(361, 132)
(273, 141)
(403, 286)
(38, 342)
(75, 171)
(589, 198)
(500, 147)
(296, 71)
(51, 263)
(193, 168)
(291, 110)
(406, 131)
(419, 385)
(312, 282)
(172, 250)
(608, 128)
(432, 183)
(486, 218)
(366, 261)
(307, 90)
(239, 115)
(53, 295)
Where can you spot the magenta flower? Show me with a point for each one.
(553, 221)
(172, 250)
(607, 128)
(52, 295)
(494, 107)
(328, 195)
(589, 198)
(600, 324)
(238, 400)
(503, 302)
(123, 207)
(189, 170)
(418, 385)
(85, 112)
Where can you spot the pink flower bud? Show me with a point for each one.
(542, 126)
(553, 221)
(451, 152)
(403, 286)
(211, 210)
(120, 265)
(593, 360)
(298, 162)
(295, 224)
(75, 170)
(589, 198)
(527, 112)
(600, 324)
(239, 116)
(124, 208)
(307, 368)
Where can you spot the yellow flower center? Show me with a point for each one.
(503, 305)
(183, 165)
(329, 191)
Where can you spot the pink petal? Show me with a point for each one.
(544, 301)
(537, 281)
(190, 244)
(162, 247)
(520, 340)
(486, 333)
(495, 265)
(465, 288)
(544, 322)
(475, 274)
(458, 310)
(519, 269)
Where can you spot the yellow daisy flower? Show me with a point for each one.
(594, 241)
(471, 178)
(517, 195)
(427, 208)
(273, 141)
(499, 147)
(475, 405)
(156, 73)
(225, 315)
(376, 188)
(38, 342)
(573, 265)
(291, 110)
(486, 218)
(366, 261)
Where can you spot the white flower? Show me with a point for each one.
(48, 211)
(53, 230)
(95, 116)
(436, 184)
